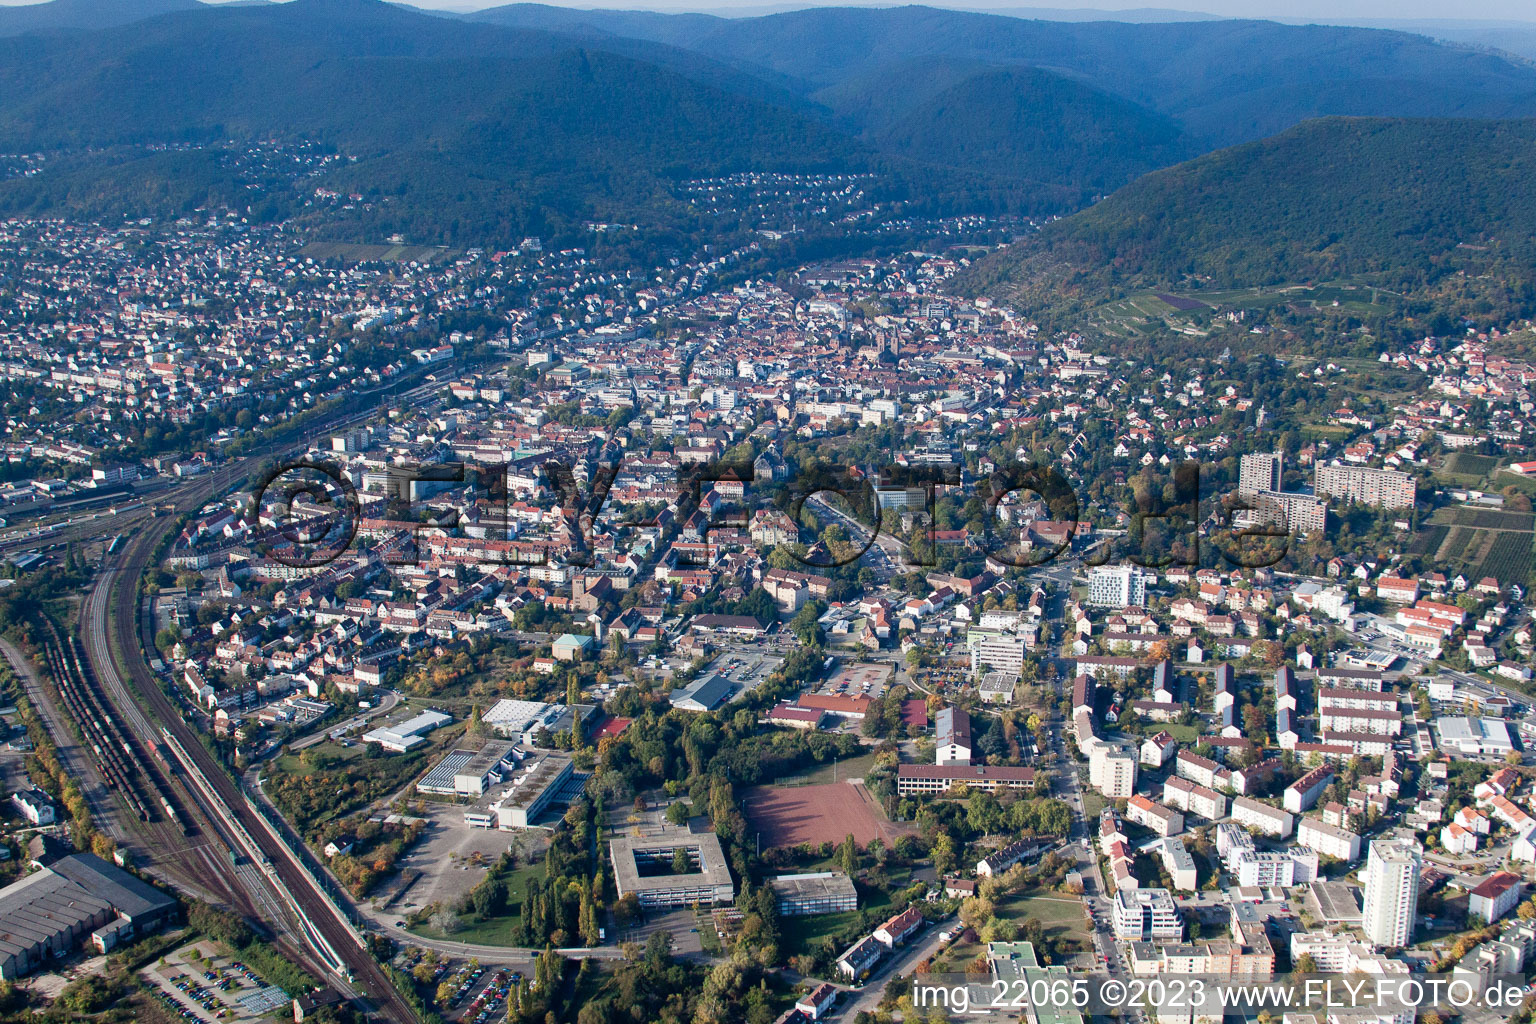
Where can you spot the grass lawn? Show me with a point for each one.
(1093, 803)
(1502, 480)
(1060, 915)
(496, 931)
(707, 936)
(848, 768)
(801, 934)
(1182, 733)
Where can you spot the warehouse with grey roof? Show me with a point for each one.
(75, 900)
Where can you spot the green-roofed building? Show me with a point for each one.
(1016, 961)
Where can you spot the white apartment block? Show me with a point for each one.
(1383, 488)
(1144, 914)
(1179, 865)
(1302, 794)
(996, 653)
(1163, 820)
(1117, 586)
(1273, 869)
(1112, 770)
(1261, 817)
(1373, 721)
(1258, 472)
(1391, 891)
(1192, 798)
(1328, 840)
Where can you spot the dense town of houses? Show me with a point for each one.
(1281, 709)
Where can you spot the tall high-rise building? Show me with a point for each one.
(1259, 472)
(1117, 586)
(1384, 488)
(1391, 891)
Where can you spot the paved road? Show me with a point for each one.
(106, 812)
(868, 998)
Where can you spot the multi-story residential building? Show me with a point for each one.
(1370, 721)
(1112, 770)
(996, 653)
(1146, 914)
(1295, 512)
(1162, 820)
(1273, 868)
(1117, 586)
(1261, 817)
(1495, 896)
(1179, 864)
(1259, 472)
(1328, 840)
(1302, 794)
(1192, 798)
(1391, 891)
(1383, 488)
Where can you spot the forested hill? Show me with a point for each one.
(1397, 202)
(535, 120)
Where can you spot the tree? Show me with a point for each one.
(1305, 964)
(848, 855)
(976, 911)
(1254, 723)
(678, 813)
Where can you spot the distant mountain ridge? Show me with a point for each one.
(84, 14)
(476, 115)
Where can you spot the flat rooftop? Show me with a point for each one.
(816, 885)
(1336, 902)
(628, 852)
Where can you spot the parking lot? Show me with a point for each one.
(857, 680)
(478, 994)
(453, 857)
(747, 669)
(200, 982)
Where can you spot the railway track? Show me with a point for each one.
(118, 754)
(132, 765)
(117, 637)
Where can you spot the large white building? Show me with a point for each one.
(1328, 840)
(1470, 737)
(1112, 769)
(1142, 914)
(994, 653)
(1259, 472)
(1391, 891)
(1383, 488)
(1117, 586)
(1261, 817)
(1274, 868)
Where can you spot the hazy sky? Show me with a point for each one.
(1326, 11)
(1322, 10)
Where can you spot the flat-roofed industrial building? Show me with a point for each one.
(819, 892)
(524, 794)
(75, 900)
